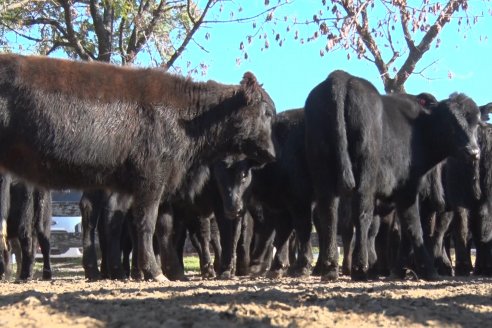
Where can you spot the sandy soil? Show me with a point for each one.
(70, 301)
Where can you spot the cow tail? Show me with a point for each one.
(345, 176)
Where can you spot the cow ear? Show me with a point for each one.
(485, 111)
(250, 87)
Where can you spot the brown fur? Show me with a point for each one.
(108, 83)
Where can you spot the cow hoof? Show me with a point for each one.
(373, 273)
(176, 276)
(331, 275)
(316, 270)
(462, 270)
(226, 275)
(256, 270)
(242, 271)
(47, 275)
(301, 272)
(346, 270)
(136, 275)
(432, 276)
(93, 276)
(275, 274)
(329, 272)
(208, 274)
(358, 274)
(159, 278)
(445, 271)
(119, 276)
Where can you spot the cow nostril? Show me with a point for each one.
(475, 154)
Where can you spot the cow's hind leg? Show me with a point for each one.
(170, 263)
(362, 216)
(328, 253)
(90, 216)
(303, 225)
(441, 260)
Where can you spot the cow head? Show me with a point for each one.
(255, 123)
(426, 100)
(233, 178)
(458, 119)
(485, 111)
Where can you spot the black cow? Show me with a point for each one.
(378, 147)
(463, 185)
(283, 190)
(192, 208)
(28, 220)
(135, 131)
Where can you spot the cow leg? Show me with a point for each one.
(42, 227)
(5, 180)
(126, 246)
(206, 265)
(348, 242)
(362, 216)
(293, 247)
(263, 238)
(27, 234)
(90, 216)
(215, 242)
(482, 235)
(135, 272)
(327, 231)
(317, 267)
(44, 244)
(383, 245)
(441, 260)
(180, 239)
(280, 262)
(170, 263)
(27, 262)
(302, 226)
(283, 231)
(411, 228)
(372, 256)
(244, 246)
(114, 219)
(145, 217)
(230, 231)
(460, 232)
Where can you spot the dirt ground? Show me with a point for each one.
(70, 301)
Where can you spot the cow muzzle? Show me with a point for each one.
(472, 153)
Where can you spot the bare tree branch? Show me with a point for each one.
(72, 38)
(190, 35)
(417, 52)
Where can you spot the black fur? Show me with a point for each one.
(135, 131)
(392, 143)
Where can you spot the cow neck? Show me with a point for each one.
(211, 128)
(434, 146)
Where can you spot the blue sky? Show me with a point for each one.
(289, 72)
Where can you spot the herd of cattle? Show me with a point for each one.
(399, 177)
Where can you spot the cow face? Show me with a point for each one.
(459, 117)
(255, 123)
(233, 178)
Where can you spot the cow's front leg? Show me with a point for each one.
(145, 217)
(411, 227)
